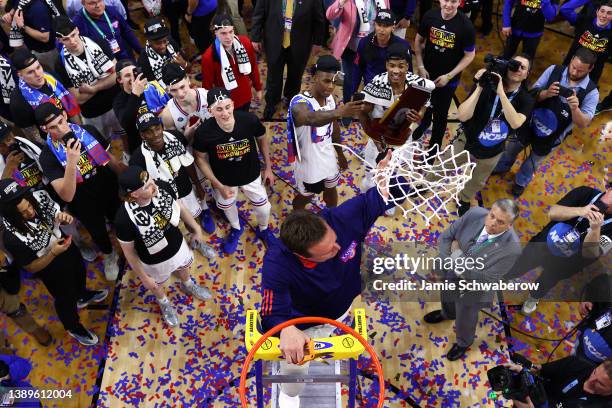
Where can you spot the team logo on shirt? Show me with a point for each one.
(534, 4)
(349, 253)
(233, 150)
(544, 122)
(593, 42)
(442, 38)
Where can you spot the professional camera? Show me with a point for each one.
(499, 66)
(518, 386)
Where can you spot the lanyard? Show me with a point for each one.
(94, 25)
(497, 101)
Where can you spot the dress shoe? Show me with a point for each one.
(463, 207)
(456, 352)
(517, 189)
(434, 317)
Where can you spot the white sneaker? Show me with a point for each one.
(285, 401)
(390, 212)
(88, 253)
(196, 291)
(111, 269)
(169, 314)
(530, 305)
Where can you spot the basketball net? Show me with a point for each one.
(426, 189)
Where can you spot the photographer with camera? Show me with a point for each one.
(579, 232)
(594, 340)
(566, 96)
(498, 105)
(568, 382)
(76, 162)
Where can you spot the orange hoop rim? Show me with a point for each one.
(301, 320)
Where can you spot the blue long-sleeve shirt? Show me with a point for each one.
(327, 289)
(568, 10)
(529, 24)
(120, 31)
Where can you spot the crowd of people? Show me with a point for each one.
(105, 136)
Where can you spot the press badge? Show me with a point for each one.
(114, 46)
(603, 321)
(495, 126)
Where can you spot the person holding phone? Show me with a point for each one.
(553, 115)
(226, 151)
(312, 126)
(33, 237)
(188, 106)
(83, 174)
(579, 232)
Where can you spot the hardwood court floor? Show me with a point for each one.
(197, 364)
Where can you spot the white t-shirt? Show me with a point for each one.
(318, 157)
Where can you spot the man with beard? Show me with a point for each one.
(554, 115)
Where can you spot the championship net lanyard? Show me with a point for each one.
(606, 222)
(95, 25)
(512, 95)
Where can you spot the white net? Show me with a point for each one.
(426, 188)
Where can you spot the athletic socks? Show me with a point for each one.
(232, 216)
(262, 214)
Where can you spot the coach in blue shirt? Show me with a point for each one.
(101, 22)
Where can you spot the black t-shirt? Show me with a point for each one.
(528, 16)
(446, 41)
(484, 139)
(128, 232)
(564, 380)
(233, 156)
(578, 197)
(181, 178)
(29, 174)
(102, 101)
(127, 107)
(590, 36)
(94, 178)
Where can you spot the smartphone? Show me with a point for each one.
(601, 206)
(359, 96)
(68, 136)
(193, 119)
(565, 92)
(137, 71)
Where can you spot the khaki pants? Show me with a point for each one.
(459, 146)
(480, 175)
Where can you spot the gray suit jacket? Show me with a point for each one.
(497, 257)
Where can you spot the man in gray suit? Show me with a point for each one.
(488, 238)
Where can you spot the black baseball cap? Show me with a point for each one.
(398, 50)
(216, 95)
(63, 26)
(222, 21)
(133, 178)
(5, 130)
(155, 28)
(23, 58)
(146, 120)
(10, 191)
(327, 63)
(124, 63)
(172, 73)
(45, 113)
(385, 17)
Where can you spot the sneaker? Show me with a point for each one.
(88, 253)
(196, 291)
(285, 401)
(169, 313)
(390, 212)
(530, 305)
(84, 336)
(111, 269)
(206, 250)
(92, 296)
(517, 189)
(207, 222)
(231, 241)
(264, 235)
